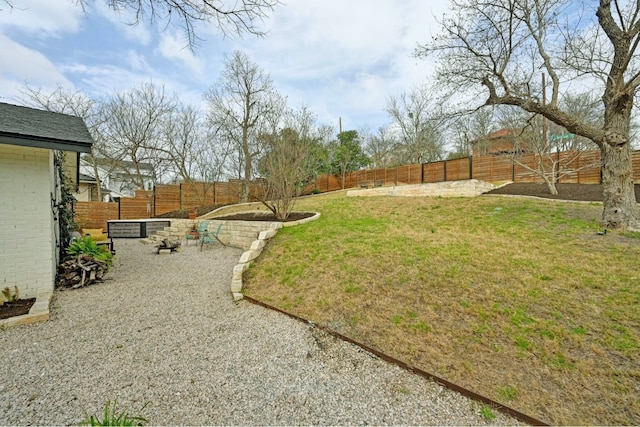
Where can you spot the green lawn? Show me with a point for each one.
(517, 299)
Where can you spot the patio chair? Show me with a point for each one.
(210, 237)
(202, 228)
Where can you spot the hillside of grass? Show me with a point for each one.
(517, 299)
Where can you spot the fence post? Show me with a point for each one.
(180, 195)
(444, 170)
(396, 176)
(421, 173)
(471, 166)
(556, 172)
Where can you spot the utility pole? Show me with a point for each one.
(340, 124)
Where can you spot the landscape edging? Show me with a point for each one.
(39, 312)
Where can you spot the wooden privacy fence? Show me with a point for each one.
(168, 198)
(160, 200)
(585, 166)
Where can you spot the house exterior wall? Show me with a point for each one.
(84, 192)
(27, 240)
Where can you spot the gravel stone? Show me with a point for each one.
(163, 331)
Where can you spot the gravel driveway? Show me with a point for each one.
(163, 332)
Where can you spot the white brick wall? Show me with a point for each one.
(27, 244)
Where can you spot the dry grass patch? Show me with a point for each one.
(518, 300)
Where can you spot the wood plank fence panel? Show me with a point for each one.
(196, 194)
(590, 175)
(167, 198)
(521, 173)
(333, 183)
(415, 174)
(94, 214)
(140, 206)
(433, 172)
(227, 193)
(492, 168)
(458, 169)
(404, 175)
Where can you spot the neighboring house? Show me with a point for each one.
(88, 184)
(30, 193)
(119, 176)
(495, 144)
(87, 190)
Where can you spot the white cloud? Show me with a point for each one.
(174, 49)
(19, 64)
(347, 56)
(42, 18)
(104, 79)
(342, 59)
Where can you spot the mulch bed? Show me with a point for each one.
(580, 192)
(16, 308)
(266, 216)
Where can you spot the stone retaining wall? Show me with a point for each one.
(239, 234)
(464, 188)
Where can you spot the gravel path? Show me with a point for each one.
(163, 332)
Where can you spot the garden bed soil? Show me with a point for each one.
(265, 216)
(579, 192)
(16, 308)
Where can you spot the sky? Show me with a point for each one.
(342, 59)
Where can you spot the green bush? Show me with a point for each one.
(86, 246)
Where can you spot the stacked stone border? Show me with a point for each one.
(248, 256)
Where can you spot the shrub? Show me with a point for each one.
(86, 246)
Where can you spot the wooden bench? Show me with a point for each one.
(378, 183)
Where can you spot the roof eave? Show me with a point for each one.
(48, 143)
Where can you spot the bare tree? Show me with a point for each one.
(183, 134)
(243, 105)
(289, 161)
(132, 125)
(467, 129)
(497, 48)
(196, 153)
(231, 18)
(528, 135)
(414, 115)
(380, 148)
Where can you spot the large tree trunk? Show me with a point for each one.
(620, 207)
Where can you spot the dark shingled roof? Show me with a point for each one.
(43, 129)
